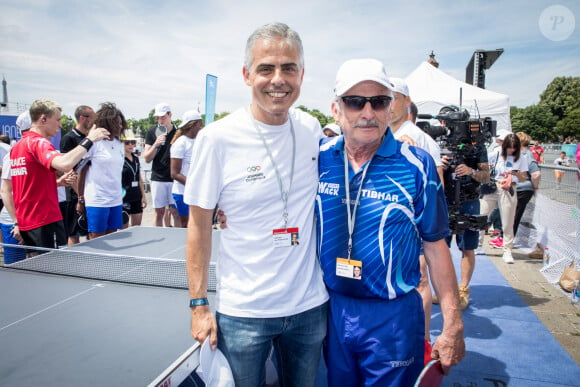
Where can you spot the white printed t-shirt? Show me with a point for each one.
(103, 182)
(230, 167)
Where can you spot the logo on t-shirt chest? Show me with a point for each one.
(253, 173)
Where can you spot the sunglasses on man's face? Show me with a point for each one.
(356, 102)
(130, 142)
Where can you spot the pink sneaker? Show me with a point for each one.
(494, 240)
(497, 244)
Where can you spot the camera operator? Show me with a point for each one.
(469, 171)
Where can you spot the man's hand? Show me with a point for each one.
(97, 134)
(449, 348)
(407, 140)
(203, 324)
(16, 234)
(463, 170)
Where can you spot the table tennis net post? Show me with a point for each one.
(152, 271)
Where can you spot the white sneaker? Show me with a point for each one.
(480, 250)
(507, 257)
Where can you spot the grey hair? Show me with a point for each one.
(273, 31)
(43, 106)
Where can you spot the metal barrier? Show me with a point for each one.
(568, 191)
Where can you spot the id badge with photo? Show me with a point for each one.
(349, 268)
(286, 237)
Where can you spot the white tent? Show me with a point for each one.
(431, 89)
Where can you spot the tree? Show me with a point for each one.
(561, 96)
(317, 114)
(535, 120)
(66, 123)
(569, 126)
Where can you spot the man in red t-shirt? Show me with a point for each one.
(538, 152)
(33, 165)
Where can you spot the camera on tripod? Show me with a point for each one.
(461, 138)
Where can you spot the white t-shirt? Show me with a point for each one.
(565, 162)
(103, 182)
(423, 140)
(230, 167)
(4, 217)
(182, 149)
(503, 167)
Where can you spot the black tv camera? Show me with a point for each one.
(461, 139)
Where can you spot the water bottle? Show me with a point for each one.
(576, 293)
(546, 257)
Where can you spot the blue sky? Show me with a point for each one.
(139, 53)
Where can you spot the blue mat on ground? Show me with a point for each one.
(506, 344)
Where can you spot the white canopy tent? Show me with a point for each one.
(431, 89)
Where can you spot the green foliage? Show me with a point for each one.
(535, 120)
(562, 96)
(569, 126)
(66, 123)
(317, 114)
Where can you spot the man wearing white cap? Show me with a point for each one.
(157, 149)
(260, 166)
(331, 130)
(394, 201)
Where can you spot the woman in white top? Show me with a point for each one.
(181, 151)
(100, 181)
(561, 161)
(510, 168)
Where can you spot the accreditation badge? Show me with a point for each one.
(349, 268)
(285, 237)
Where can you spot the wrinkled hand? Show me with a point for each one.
(203, 324)
(97, 134)
(449, 349)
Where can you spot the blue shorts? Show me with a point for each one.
(11, 254)
(374, 342)
(182, 208)
(470, 238)
(102, 219)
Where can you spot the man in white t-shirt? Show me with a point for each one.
(405, 130)
(260, 166)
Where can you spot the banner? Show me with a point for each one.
(210, 96)
(8, 127)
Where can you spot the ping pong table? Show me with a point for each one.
(84, 329)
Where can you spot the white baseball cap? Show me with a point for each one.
(161, 109)
(355, 71)
(400, 86)
(334, 127)
(190, 115)
(24, 122)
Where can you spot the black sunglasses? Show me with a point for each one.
(130, 142)
(356, 102)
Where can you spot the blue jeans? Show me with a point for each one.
(297, 340)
